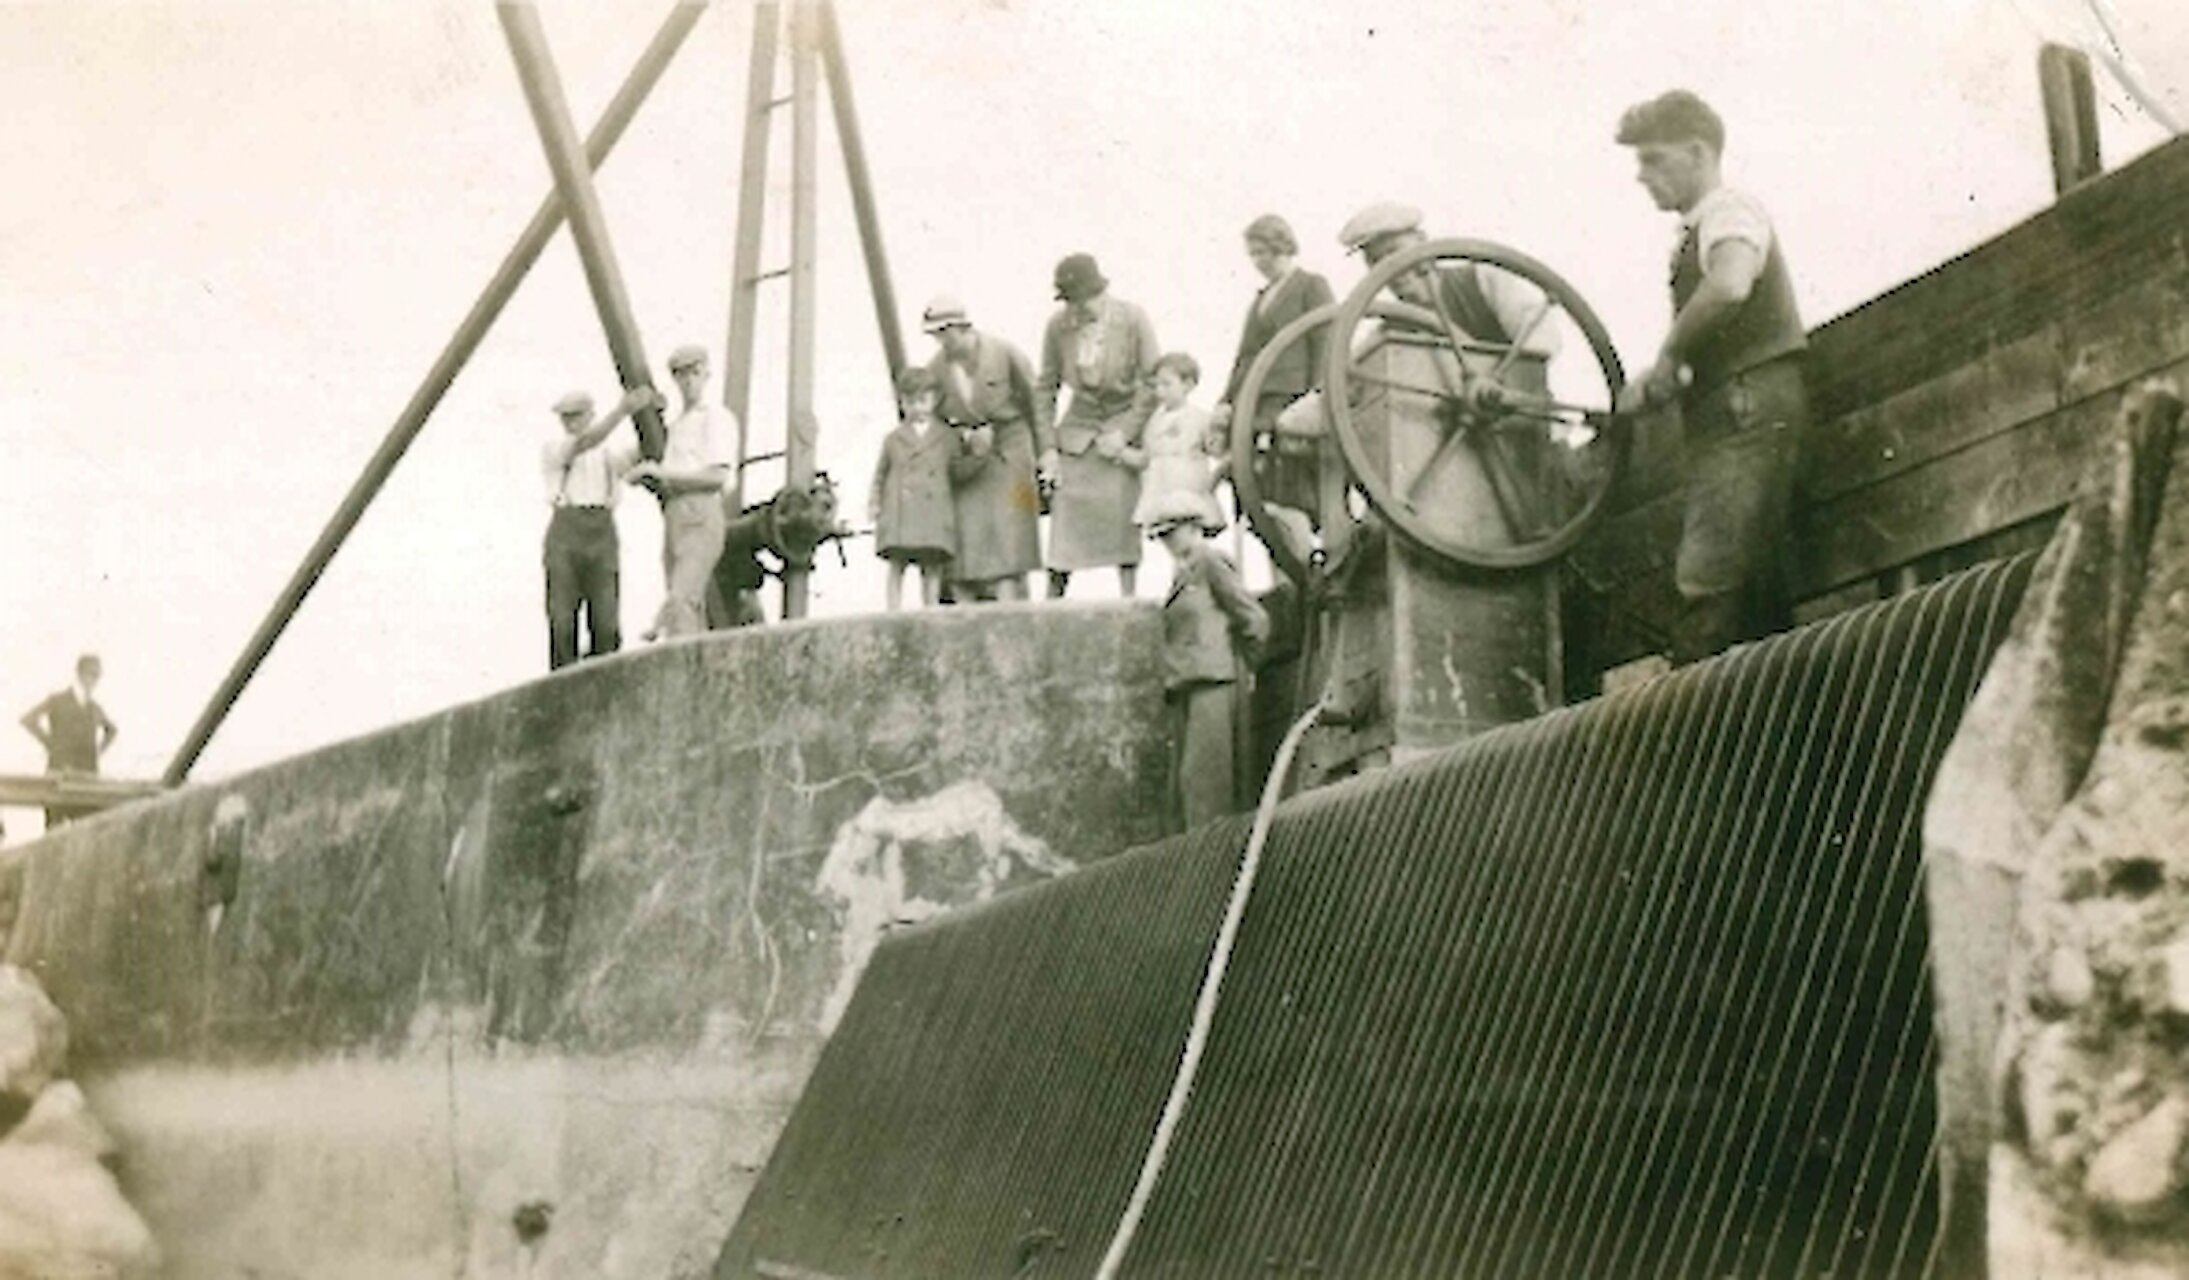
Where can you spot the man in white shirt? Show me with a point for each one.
(1733, 360)
(691, 477)
(583, 472)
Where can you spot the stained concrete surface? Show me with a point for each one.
(567, 950)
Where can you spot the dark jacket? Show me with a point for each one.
(1300, 368)
(1211, 623)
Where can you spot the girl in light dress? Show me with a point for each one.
(1176, 448)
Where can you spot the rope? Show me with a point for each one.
(1204, 1008)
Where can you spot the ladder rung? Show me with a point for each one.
(776, 274)
(783, 101)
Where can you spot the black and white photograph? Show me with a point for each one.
(1084, 639)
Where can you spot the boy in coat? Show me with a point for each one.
(1212, 630)
(915, 519)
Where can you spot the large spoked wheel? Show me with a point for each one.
(1248, 456)
(1528, 449)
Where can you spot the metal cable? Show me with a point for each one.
(1204, 1008)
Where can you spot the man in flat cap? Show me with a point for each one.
(988, 398)
(584, 470)
(1487, 304)
(692, 476)
(1104, 348)
(1733, 361)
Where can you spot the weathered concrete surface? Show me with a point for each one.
(2057, 847)
(563, 954)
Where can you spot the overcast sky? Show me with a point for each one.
(234, 235)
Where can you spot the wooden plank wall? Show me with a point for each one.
(1954, 414)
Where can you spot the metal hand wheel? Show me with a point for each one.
(1519, 452)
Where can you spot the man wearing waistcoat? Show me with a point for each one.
(1733, 361)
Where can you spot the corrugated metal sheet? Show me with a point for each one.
(1637, 989)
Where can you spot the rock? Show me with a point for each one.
(61, 1213)
(33, 1035)
(2137, 1175)
(2052, 1075)
(2068, 983)
(2174, 979)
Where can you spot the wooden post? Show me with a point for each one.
(588, 227)
(752, 213)
(801, 431)
(2071, 115)
(849, 140)
(470, 332)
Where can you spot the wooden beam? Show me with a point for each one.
(752, 215)
(566, 159)
(2071, 115)
(39, 791)
(470, 332)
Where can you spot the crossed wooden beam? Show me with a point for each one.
(816, 44)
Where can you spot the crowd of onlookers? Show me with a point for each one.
(1104, 437)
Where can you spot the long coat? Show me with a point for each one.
(918, 520)
(999, 508)
(1091, 515)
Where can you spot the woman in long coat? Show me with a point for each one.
(1104, 349)
(1286, 473)
(987, 390)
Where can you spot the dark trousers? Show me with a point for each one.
(1204, 770)
(1743, 443)
(581, 559)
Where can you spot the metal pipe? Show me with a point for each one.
(801, 431)
(861, 180)
(752, 206)
(588, 226)
(469, 333)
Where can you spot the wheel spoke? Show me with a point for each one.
(1512, 353)
(1511, 502)
(1436, 458)
(1401, 384)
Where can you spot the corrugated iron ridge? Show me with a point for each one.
(984, 1107)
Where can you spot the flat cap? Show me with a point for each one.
(1383, 218)
(575, 402)
(689, 354)
(944, 312)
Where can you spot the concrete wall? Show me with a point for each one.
(573, 947)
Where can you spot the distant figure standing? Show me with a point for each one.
(693, 472)
(1104, 349)
(987, 389)
(915, 521)
(584, 471)
(1744, 403)
(1212, 629)
(75, 731)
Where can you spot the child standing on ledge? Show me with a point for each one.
(1178, 475)
(1212, 630)
(915, 521)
